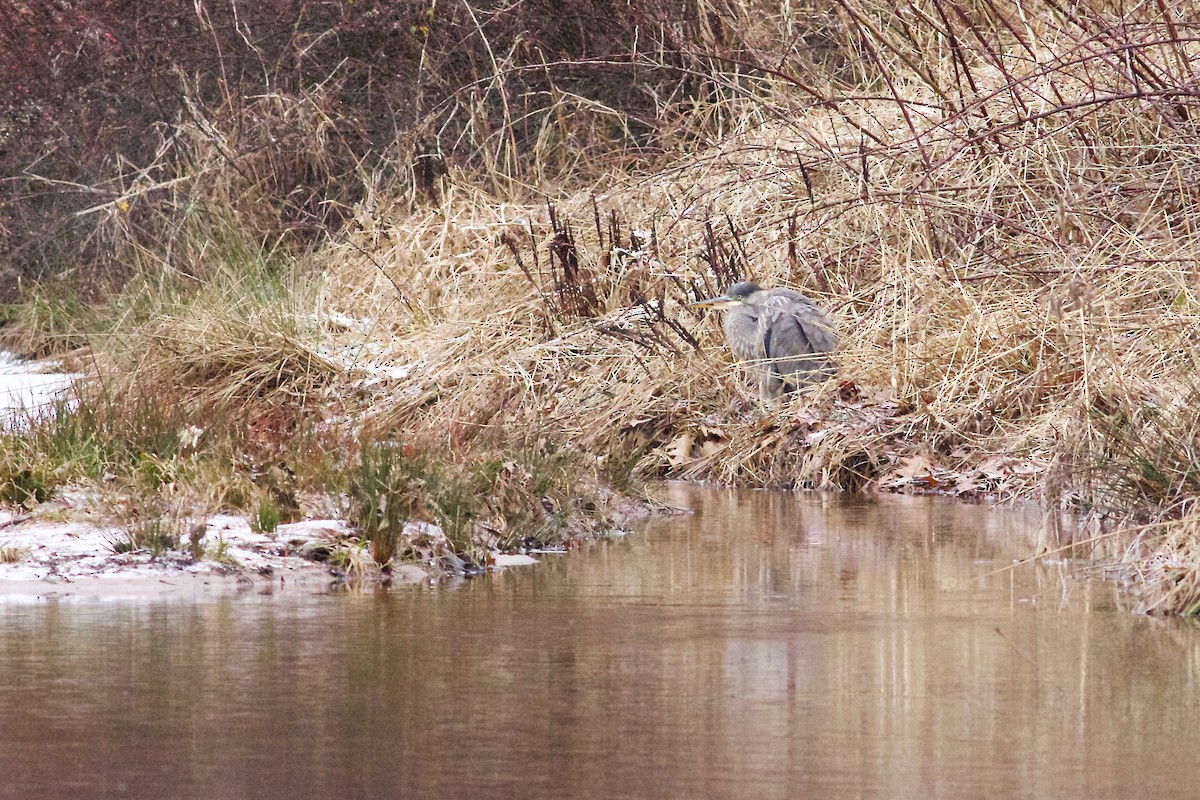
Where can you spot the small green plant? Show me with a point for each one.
(156, 535)
(458, 499)
(350, 556)
(26, 485)
(386, 491)
(266, 516)
(1147, 456)
(222, 555)
(157, 524)
(149, 473)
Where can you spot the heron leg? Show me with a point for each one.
(770, 387)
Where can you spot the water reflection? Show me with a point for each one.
(769, 646)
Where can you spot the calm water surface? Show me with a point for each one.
(770, 646)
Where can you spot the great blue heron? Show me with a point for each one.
(788, 334)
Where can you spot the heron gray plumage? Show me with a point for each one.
(785, 332)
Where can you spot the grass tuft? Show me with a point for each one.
(13, 554)
(266, 516)
(386, 492)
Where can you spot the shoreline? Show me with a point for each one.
(76, 560)
(57, 560)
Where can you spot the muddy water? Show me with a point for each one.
(770, 646)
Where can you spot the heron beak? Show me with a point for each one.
(721, 301)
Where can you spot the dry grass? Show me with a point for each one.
(1161, 563)
(997, 201)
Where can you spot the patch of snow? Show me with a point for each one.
(417, 528)
(345, 322)
(513, 560)
(63, 560)
(79, 560)
(29, 388)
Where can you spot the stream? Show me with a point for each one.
(770, 645)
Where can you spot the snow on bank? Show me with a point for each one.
(28, 387)
(59, 560)
(76, 559)
(42, 559)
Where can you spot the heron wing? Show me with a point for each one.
(795, 333)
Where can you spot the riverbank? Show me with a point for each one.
(476, 316)
(60, 553)
(154, 534)
(77, 559)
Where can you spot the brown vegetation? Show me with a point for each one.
(995, 199)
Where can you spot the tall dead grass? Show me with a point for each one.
(995, 200)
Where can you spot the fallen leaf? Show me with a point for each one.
(915, 467)
(680, 449)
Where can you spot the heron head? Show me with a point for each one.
(739, 294)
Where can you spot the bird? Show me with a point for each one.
(785, 332)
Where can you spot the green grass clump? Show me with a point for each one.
(98, 432)
(155, 535)
(388, 489)
(53, 319)
(478, 504)
(266, 516)
(1156, 446)
(26, 485)
(158, 522)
